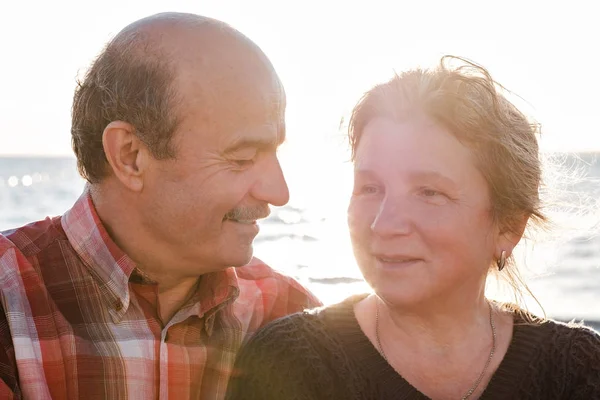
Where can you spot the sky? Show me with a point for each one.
(326, 52)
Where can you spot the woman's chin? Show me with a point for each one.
(399, 295)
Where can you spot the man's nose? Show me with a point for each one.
(271, 186)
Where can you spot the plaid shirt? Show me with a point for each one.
(79, 321)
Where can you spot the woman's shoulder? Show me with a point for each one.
(572, 352)
(319, 322)
(291, 327)
(575, 335)
(551, 359)
(570, 344)
(559, 331)
(577, 330)
(298, 356)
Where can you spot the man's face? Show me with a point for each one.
(205, 202)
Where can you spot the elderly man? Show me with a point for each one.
(132, 292)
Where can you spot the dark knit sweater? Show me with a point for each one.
(323, 354)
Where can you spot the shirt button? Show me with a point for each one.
(118, 305)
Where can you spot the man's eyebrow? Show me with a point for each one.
(255, 143)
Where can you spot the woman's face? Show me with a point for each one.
(420, 214)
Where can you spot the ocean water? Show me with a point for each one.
(309, 239)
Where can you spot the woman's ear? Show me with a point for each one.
(510, 236)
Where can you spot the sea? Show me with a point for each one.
(309, 239)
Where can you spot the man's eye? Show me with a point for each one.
(244, 163)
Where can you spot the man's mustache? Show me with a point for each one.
(249, 213)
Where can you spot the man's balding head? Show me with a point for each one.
(157, 70)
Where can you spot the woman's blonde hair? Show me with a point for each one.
(462, 97)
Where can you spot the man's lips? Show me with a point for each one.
(241, 221)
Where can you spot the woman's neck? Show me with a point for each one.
(442, 351)
(440, 328)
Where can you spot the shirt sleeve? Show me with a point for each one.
(300, 298)
(9, 382)
(9, 378)
(290, 297)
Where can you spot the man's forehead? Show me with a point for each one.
(226, 84)
(219, 56)
(231, 92)
(235, 105)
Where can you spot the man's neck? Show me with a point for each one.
(120, 220)
(172, 297)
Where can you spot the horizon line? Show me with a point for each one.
(71, 155)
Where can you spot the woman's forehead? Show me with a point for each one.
(413, 147)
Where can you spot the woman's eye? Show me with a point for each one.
(433, 196)
(367, 189)
(430, 192)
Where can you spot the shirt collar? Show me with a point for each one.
(107, 263)
(112, 268)
(215, 291)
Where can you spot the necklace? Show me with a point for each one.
(487, 363)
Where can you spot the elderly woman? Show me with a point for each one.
(446, 180)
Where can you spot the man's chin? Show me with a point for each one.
(241, 259)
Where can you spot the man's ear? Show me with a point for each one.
(511, 236)
(126, 154)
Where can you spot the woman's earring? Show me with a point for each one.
(502, 261)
